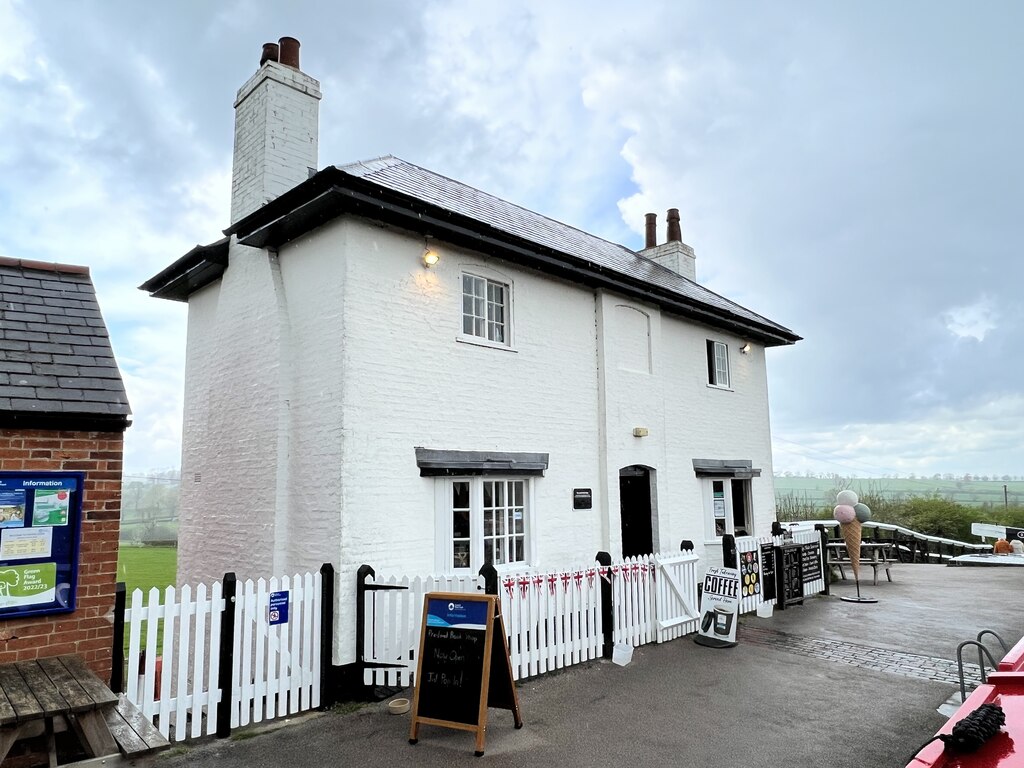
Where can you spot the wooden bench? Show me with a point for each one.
(43, 697)
(135, 735)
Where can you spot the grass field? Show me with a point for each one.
(147, 567)
(820, 491)
(144, 568)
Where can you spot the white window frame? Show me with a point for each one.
(488, 279)
(711, 536)
(718, 364)
(445, 547)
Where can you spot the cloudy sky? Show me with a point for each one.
(851, 170)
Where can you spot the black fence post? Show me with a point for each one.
(729, 557)
(825, 567)
(364, 572)
(327, 688)
(607, 614)
(117, 651)
(225, 680)
(490, 574)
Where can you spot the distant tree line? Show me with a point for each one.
(934, 515)
(149, 507)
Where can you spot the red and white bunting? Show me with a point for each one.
(578, 578)
(565, 577)
(524, 586)
(552, 583)
(510, 586)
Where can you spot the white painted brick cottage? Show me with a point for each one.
(387, 366)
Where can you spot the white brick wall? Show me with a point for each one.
(276, 117)
(311, 379)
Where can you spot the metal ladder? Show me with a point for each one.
(983, 652)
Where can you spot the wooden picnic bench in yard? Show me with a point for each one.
(877, 558)
(45, 697)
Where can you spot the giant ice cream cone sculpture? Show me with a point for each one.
(852, 535)
(851, 514)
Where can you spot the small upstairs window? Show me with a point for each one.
(718, 364)
(486, 306)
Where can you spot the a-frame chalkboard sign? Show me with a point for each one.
(463, 665)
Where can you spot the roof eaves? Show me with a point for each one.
(196, 269)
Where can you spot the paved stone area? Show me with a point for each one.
(826, 683)
(866, 657)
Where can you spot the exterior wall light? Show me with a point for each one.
(430, 258)
(745, 349)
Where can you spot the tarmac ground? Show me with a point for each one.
(826, 683)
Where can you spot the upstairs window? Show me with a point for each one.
(485, 309)
(718, 364)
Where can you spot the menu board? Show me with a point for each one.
(463, 665)
(811, 555)
(40, 532)
(768, 571)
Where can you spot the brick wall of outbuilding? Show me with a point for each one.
(88, 631)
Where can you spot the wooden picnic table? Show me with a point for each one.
(45, 695)
(873, 554)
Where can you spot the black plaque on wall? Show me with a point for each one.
(811, 555)
(582, 498)
(768, 572)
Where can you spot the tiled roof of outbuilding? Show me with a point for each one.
(56, 362)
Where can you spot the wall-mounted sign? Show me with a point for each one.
(582, 498)
(278, 608)
(1014, 533)
(40, 532)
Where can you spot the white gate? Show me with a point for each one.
(676, 595)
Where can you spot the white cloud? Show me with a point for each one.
(972, 320)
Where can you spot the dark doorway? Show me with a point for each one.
(740, 508)
(635, 509)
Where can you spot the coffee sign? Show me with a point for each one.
(719, 608)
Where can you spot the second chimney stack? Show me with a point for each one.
(674, 233)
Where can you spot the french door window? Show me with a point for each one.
(488, 522)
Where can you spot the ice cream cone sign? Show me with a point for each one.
(851, 514)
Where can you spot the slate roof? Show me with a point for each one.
(397, 174)
(57, 368)
(397, 192)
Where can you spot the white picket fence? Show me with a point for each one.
(275, 668)
(553, 619)
(750, 546)
(393, 616)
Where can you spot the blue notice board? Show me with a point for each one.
(40, 535)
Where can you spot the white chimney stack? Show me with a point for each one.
(276, 122)
(673, 254)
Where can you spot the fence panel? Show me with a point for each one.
(174, 660)
(392, 630)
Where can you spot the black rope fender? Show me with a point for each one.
(973, 731)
